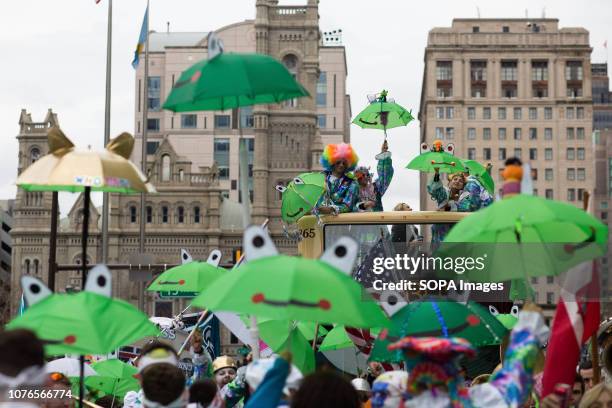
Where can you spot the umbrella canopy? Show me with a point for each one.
(336, 339)
(70, 367)
(383, 114)
(480, 172)
(550, 235)
(301, 195)
(114, 378)
(230, 81)
(89, 322)
(67, 169)
(284, 287)
(188, 278)
(442, 318)
(275, 333)
(429, 161)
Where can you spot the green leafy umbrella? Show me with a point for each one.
(525, 236)
(444, 318)
(480, 172)
(191, 277)
(427, 162)
(114, 378)
(287, 288)
(301, 195)
(336, 339)
(383, 114)
(230, 81)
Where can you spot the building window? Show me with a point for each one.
(501, 153)
(548, 174)
(533, 113)
(153, 125)
(486, 153)
(501, 113)
(549, 194)
(152, 147)
(133, 214)
(569, 113)
(27, 266)
(471, 113)
(534, 174)
(518, 114)
(450, 112)
(149, 211)
(450, 133)
(439, 133)
(534, 280)
(501, 134)
(548, 134)
(550, 279)
(548, 153)
(486, 134)
(517, 133)
(163, 308)
(580, 174)
(471, 134)
(189, 121)
(580, 194)
(533, 154)
(165, 165)
(518, 152)
(505, 29)
(570, 133)
(580, 113)
(548, 113)
(246, 117)
(539, 70)
(196, 215)
(570, 153)
(164, 215)
(322, 89)
(154, 92)
(580, 153)
(222, 121)
(180, 215)
(580, 133)
(478, 76)
(221, 157)
(471, 153)
(571, 194)
(290, 62)
(571, 174)
(440, 112)
(322, 121)
(444, 78)
(486, 113)
(573, 71)
(533, 134)
(475, 29)
(34, 154)
(509, 71)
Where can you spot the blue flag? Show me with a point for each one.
(142, 39)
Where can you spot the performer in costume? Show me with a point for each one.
(342, 191)
(370, 193)
(446, 198)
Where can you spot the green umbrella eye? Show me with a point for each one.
(185, 257)
(391, 301)
(298, 181)
(257, 243)
(99, 281)
(450, 148)
(515, 311)
(342, 255)
(493, 310)
(214, 258)
(34, 290)
(280, 189)
(424, 147)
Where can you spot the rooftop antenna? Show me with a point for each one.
(478, 11)
(167, 27)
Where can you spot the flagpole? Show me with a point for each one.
(145, 109)
(105, 197)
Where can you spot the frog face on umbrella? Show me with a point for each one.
(300, 195)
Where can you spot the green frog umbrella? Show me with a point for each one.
(383, 113)
(481, 173)
(444, 318)
(294, 288)
(114, 378)
(336, 339)
(190, 277)
(301, 195)
(525, 236)
(88, 322)
(436, 158)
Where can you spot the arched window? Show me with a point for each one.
(132, 214)
(27, 266)
(181, 174)
(180, 215)
(291, 63)
(164, 215)
(165, 164)
(34, 154)
(149, 210)
(36, 267)
(196, 215)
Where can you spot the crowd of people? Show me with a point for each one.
(432, 377)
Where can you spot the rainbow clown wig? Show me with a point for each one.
(335, 152)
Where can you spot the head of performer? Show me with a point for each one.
(339, 158)
(456, 181)
(224, 369)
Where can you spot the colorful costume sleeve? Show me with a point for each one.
(474, 196)
(436, 190)
(342, 195)
(270, 391)
(235, 391)
(515, 379)
(385, 172)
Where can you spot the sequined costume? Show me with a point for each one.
(376, 190)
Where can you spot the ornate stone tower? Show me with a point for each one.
(32, 211)
(285, 133)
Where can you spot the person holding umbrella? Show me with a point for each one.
(370, 193)
(342, 191)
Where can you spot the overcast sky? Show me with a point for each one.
(53, 55)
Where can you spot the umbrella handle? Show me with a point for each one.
(81, 379)
(254, 338)
(314, 340)
(202, 316)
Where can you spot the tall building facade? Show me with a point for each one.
(192, 158)
(500, 88)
